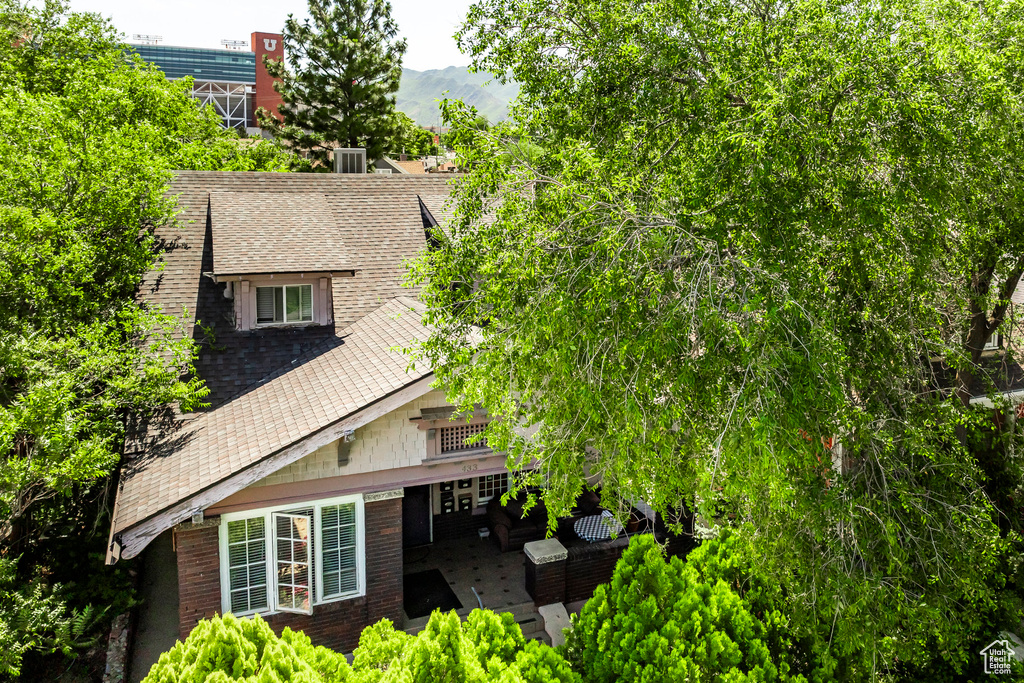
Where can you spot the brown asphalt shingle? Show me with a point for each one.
(272, 387)
(275, 232)
(329, 383)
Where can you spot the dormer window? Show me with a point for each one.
(284, 304)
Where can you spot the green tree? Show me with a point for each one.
(410, 138)
(485, 647)
(89, 136)
(225, 649)
(752, 233)
(659, 620)
(338, 79)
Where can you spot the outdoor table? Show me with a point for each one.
(597, 527)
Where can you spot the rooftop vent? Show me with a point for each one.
(349, 160)
(382, 171)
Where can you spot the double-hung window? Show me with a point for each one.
(291, 558)
(284, 304)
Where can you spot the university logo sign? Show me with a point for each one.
(997, 657)
(269, 44)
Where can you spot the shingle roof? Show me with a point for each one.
(334, 380)
(380, 226)
(412, 166)
(273, 388)
(275, 232)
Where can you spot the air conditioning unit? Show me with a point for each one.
(382, 171)
(349, 160)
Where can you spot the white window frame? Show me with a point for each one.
(483, 500)
(267, 514)
(284, 305)
(993, 342)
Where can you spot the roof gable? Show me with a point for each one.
(275, 232)
(278, 417)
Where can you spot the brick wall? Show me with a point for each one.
(198, 575)
(590, 565)
(336, 625)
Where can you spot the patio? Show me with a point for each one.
(469, 563)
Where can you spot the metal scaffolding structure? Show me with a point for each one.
(229, 100)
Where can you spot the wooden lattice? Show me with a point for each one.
(454, 438)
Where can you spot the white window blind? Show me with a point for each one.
(293, 562)
(289, 558)
(284, 304)
(339, 566)
(247, 565)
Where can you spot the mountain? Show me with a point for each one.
(419, 89)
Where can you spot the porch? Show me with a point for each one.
(474, 570)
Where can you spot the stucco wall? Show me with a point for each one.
(388, 442)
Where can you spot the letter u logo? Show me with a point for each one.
(269, 44)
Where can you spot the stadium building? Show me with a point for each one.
(233, 80)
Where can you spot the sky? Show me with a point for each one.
(428, 26)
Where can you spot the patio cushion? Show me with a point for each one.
(588, 502)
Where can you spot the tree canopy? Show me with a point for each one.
(410, 138)
(485, 647)
(89, 136)
(751, 269)
(338, 79)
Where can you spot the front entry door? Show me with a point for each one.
(416, 516)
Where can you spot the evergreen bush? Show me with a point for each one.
(659, 620)
(485, 647)
(225, 649)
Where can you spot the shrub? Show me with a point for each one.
(661, 620)
(486, 647)
(225, 649)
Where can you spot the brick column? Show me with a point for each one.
(384, 560)
(198, 549)
(545, 571)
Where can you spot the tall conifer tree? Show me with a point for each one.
(338, 79)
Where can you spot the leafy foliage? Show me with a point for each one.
(34, 617)
(659, 620)
(338, 80)
(225, 649)
(754, 231)
(486, 647)
(410, 139)
(89, 136)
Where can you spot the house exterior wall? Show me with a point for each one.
(389, 442)
(336, 625)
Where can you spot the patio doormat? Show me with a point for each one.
(427, 591)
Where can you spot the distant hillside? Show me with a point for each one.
(419, 89)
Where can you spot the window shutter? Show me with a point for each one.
(292, 555)
(339, 568)
(306, 292)
(265, 304)
(247, 565)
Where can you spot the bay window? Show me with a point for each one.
(291, 558)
